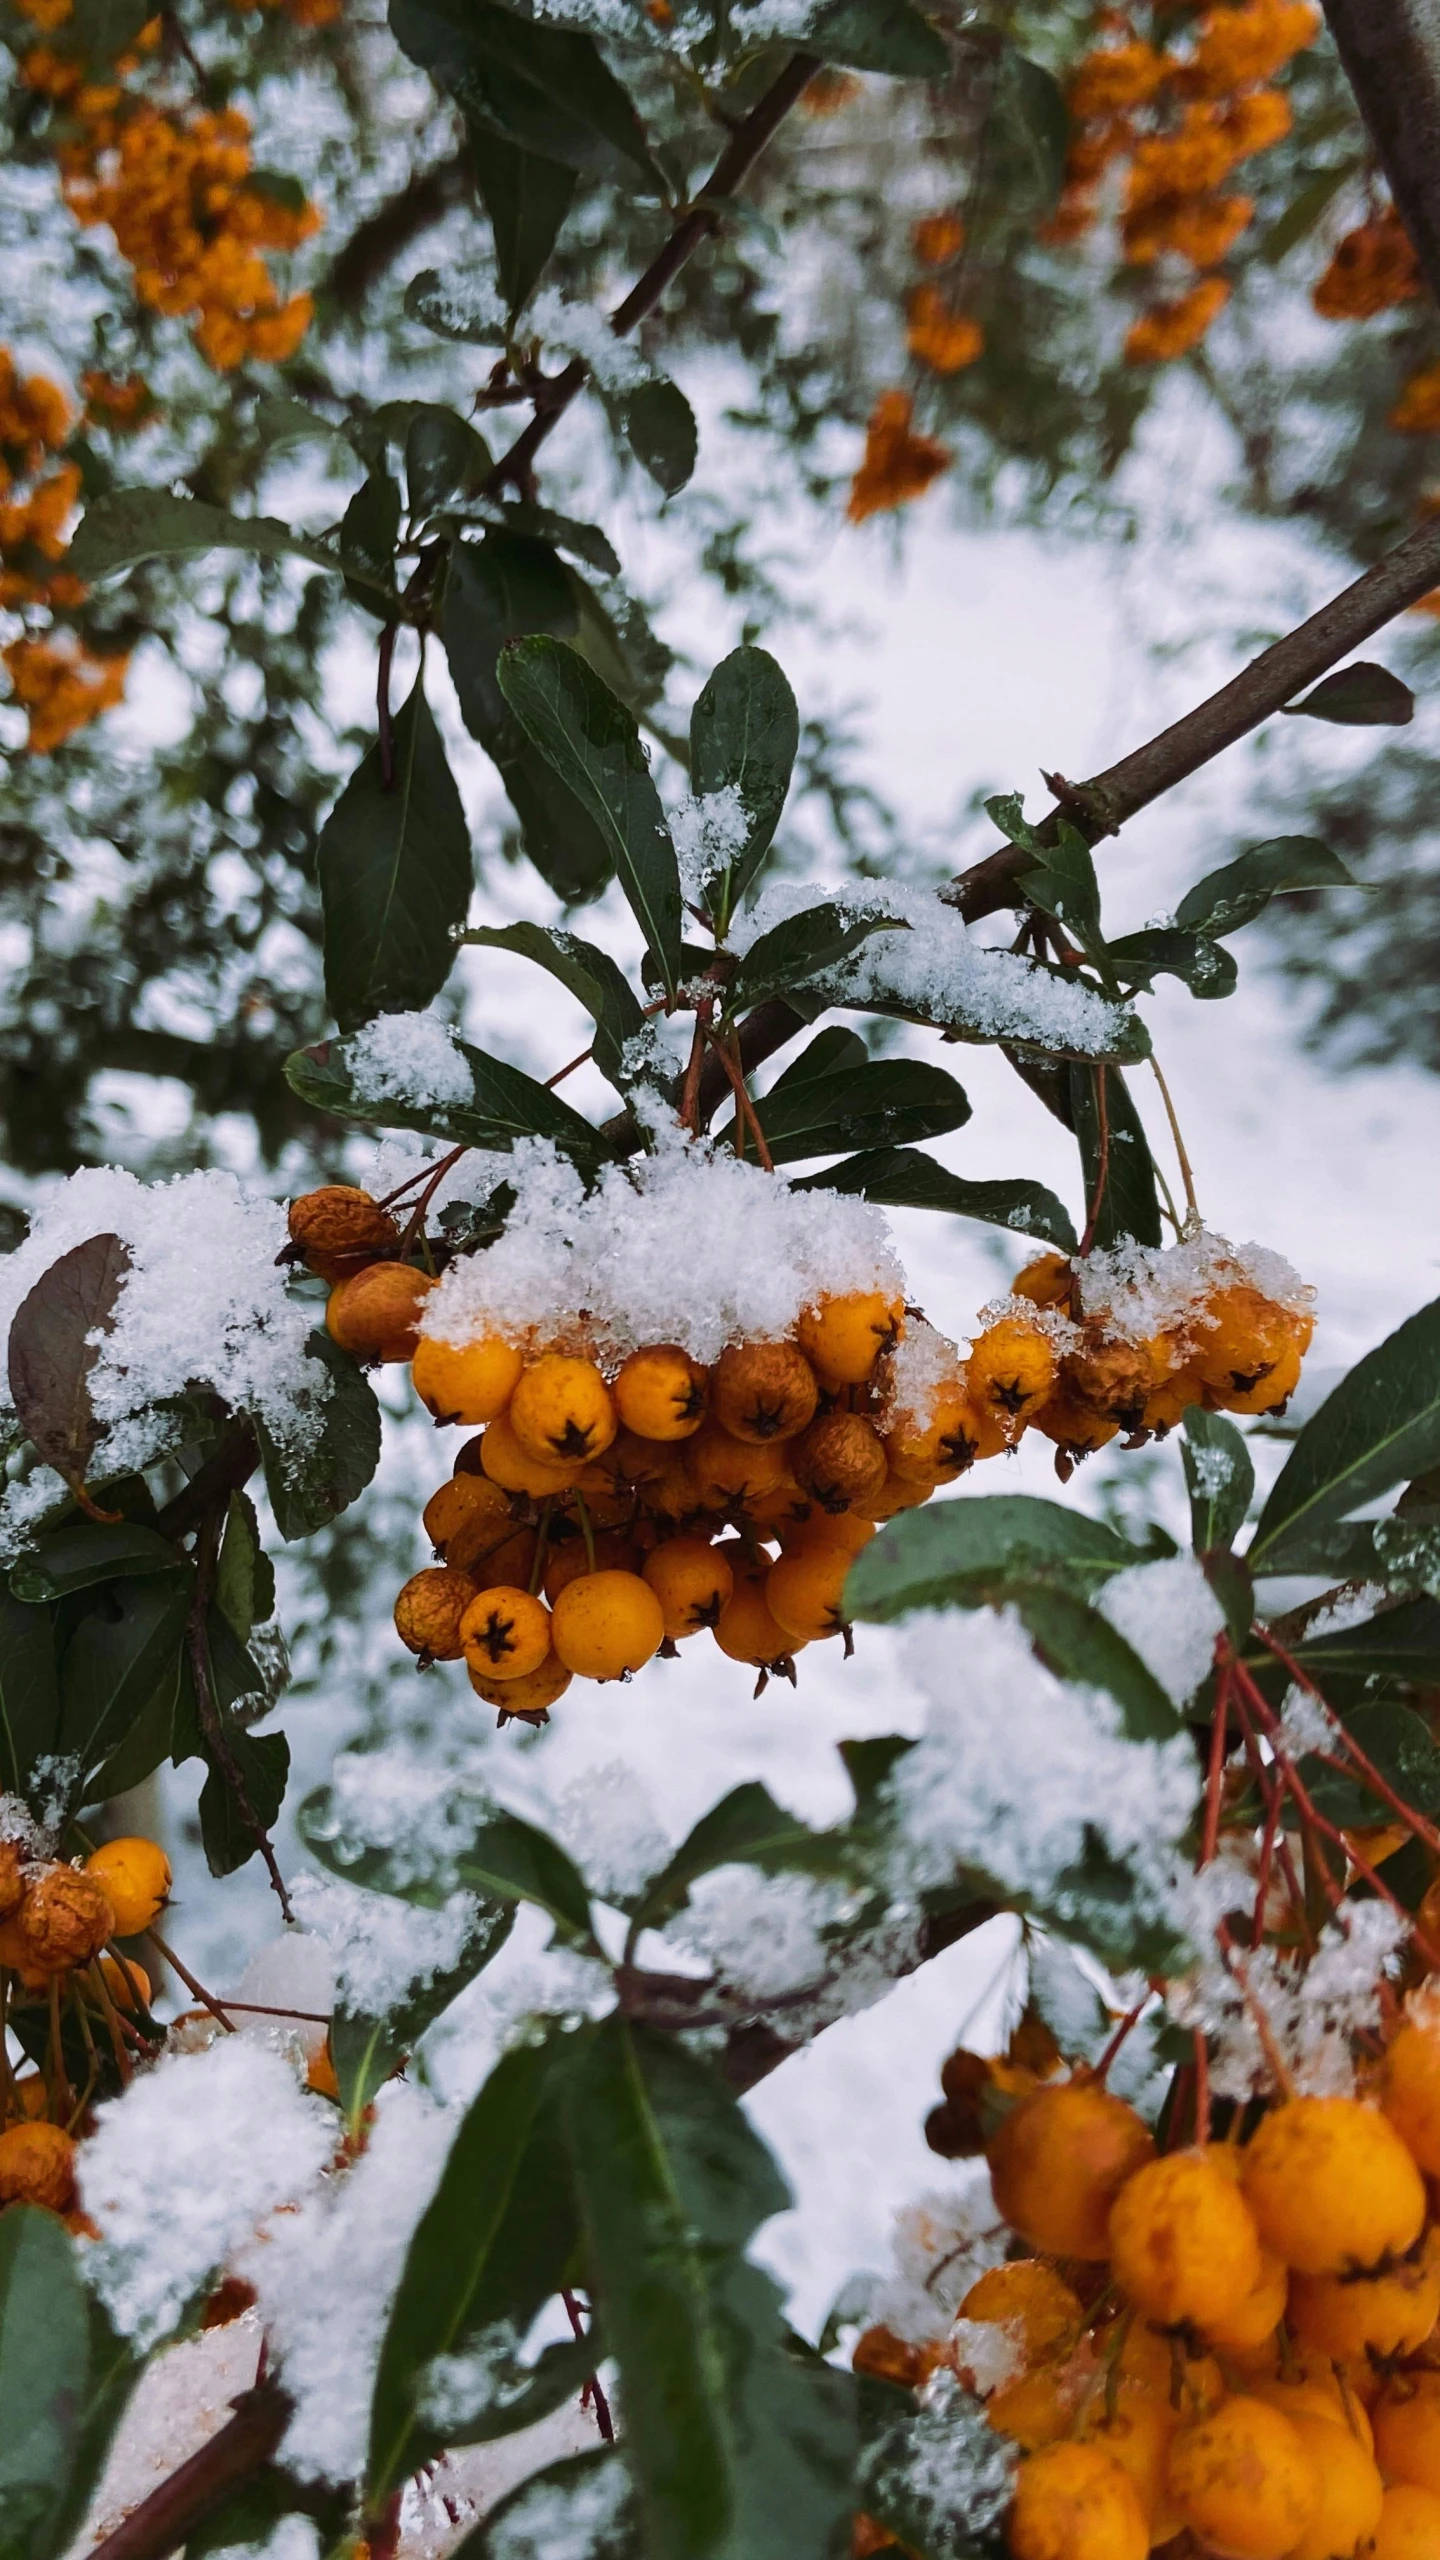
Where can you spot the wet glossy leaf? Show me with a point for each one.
(1363, 696)
(906, 1178)
(395, 875)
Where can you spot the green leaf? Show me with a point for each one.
(544, 88)
(311, 1485)
(913, 2458)
(830, 1099)
(1205, 967)
(960, 1554)
(903, 1178)
(744, 734)
(1074, 1641)
(661, 432)
(591, 976)
(1219, 1478)
(511, 1858)
(244, 1575)
(369, 531)
(152, 1739)
(1305, 209)
(1363, 696)
(71, 1559)
(526, 198)
(1403, 1749)
(737, 2451)
(1399, 1644)
(1130, 1206)
(262, 1761)
(64, 2381)
(444, 459)
(798, 948)
(593, 743)
(1381, 1425)
(29, 1693)
(505, 1104)
(1064, 883)
(1027, 134)
(888, 36)
(1227, 899)
(582, 2507)
(115, 1660)
(367, 2051)
(746, 1828)
(412, 1872)
(489, 2251)
(585, 542)
(395, 875)
(127, 526)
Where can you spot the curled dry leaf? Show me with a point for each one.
(53, 1351)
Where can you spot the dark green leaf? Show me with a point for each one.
(64, 2381)
(878, 35)
(1205, 967)
(583, 2507)
(593, 743)
(489, 2251)
(93, 1551)
(1130, 1206)
(544, 88)
(1362, 696)
(591, 976)
(914, 2457)
(1401, 1745)
(737, 2451)
(52, 1351)
(526, 198)
(244, 1575)
(1065, 884)
(903, 1178)
(1074, 1641)
(747, 1828)
(369, 531)
(505, 1104)
(311, 1485)
(828, 1100)
(1304, 210)
(744, 733)
(1219, 1478)
(511, 1858)
(661, 432)
(800, 946)
(29, 1693)
(1400, 1644)
(444, 459)
(1027, 133)
(130, 525)
(261, 1762)
(151, 1739)
(584, 542)
(468, 315)
(1381, 1425)
(395, 875)
(960, 1554)
(1227, 899)
(115, 1660)
(366, 2051)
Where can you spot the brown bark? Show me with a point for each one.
(1391, 53)
(201, 2486)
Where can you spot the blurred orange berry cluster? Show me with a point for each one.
(938, 335)
(59, 683)
(176, 186)
(1181, 121)
(897, 464)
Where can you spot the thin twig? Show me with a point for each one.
(172, 2513)
(743, 1104)
(206, 1999)
(562, 1072)
(1102, 1117)
(593, 2389)
(1215, 1775)
(1359, 1759)
(1186, 1176)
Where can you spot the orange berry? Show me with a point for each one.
(1332, 2187)
(725, 1474)
(841, 1459)
(1248, 2330)
(458, 1503)
(1058, 2163)
(134, 1876)
(531, 1695)
(947, 1440)
(1046, 1282)
(1407, 2430)
(1246, 1349)
(570, 1558)
(37, 2166)
(465, 1382)
(12, 1878)
(1315, 2390)
(509, 1465)
(660, 1394)
(1244, 2480)
(376, 1315)
(338, 1230)
(505, 1632)
(1410, 2086)
(1072, 2502)
(1138, 2434)
(847, 1531)
(429, 1610)
(806, 1592)
(320, 2074)
(692, 1581)
(1385, 2315)
(607, 1624)
(63, 1921)
(640, 1460)
(1118, 1379)
(1409, 2527)
(763, 1391)
(842, 1338)
(561, 1412)
(1028, 2297)
(1042, 2406)
(1351, 2497)
(1183, 2245)
(746, 1629)
(128, 1984)
(1010, 1372)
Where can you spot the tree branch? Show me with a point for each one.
(1390, 50)
(425, 199)
(201, 2486)
(696, 224)
(1101, 806)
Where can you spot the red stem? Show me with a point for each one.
(1359, 1759)
(1215, 1774)
(594, 2389)
(1102, 1117)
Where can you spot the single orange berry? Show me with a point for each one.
(1183, 2244)
(505, 1632)
(1378, 2316)
(946, 1440)
(569, 1558)
(1407, 2430)
(1352, 2494)
(1244, 2480)
(1409, 2527)
(338, 1230)
(727, 1474)
(465, 1382)
(1072, 2502)
(806, 1591)
(1410, 2085)
(531, 1696)
(608, 1624)
(1030, 2299)
(1010, 1372)
(134, 1876)
(1046, 1282)
(37, 2166)
(461, 1501)
(12, 1878)
(127, 1983)
(746, 1629)
(376, 1315)
(509, 1465)
(763, 1391)
(692, 1581)
(842, 1338)
(1332, 2187)
(64, 1920)
(561, 1412)
(1247, 2332)
(661, 1394)
(1060, 2160)
(429, 1610)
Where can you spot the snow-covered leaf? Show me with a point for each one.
(744, 732)
(797, 948)
(1398, 1644)
(395, 874)
(313, 1484)
(503, 1103)
(517, 1862)
(582, 2508)
(833, 1097)
(1380, 1426)
(591, 976)
(367, 2048)
(906, 1178)
(1219, 1478)
(747, 1827)
(544, 88)
(959, 1554)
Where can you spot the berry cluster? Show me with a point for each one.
(1232, 2339)
(59, 682)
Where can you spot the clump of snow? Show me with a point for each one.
(1015, 1771)
(587, 2517)
(1307, 1722)
(409, 1058)
(580, 329)
(325, 2276)
(1349, 1608)
(457, 2388)
(382, 1950)
(607, 1821)
(1168, 1614)
(291, 1973)
(182, 2170)
(417, 1811)
(923, 1364)
(202, 1301)
(1270, 2000)
(710, 832)
(688, 1244)
(762, 1934)
(1136, 1291)
(987, 2353)
(1212, 1469)
(944, 2468)
(18, 1824)
(940, 973)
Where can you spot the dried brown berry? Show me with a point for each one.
(338, 1230)
(12, 1880)
(64, 1920)
(840, 1460)
(763, 1391)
